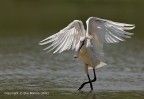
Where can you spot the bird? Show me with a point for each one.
(88, 43)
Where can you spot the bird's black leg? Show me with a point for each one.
(90, 81)
(95, 78)
(91, 86)
(86, 83)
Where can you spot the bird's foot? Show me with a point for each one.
(80, 92)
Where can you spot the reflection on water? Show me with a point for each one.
(24, 66)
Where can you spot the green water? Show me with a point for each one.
(25, 68)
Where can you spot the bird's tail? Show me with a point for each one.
(101, 64)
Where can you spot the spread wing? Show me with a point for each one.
(66, 38)
(106, 31)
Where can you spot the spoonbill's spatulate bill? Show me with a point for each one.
(88, 44)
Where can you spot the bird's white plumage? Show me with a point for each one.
(106, 31)
(99, 31)
(66, 38)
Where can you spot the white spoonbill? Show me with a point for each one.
(88, 44)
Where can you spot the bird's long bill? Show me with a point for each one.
(80, 46)
(78, 49)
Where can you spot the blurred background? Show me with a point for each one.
(24, 66)
(43, 16)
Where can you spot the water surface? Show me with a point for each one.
(25, 67)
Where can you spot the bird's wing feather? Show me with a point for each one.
(106, 31)
(66, 38)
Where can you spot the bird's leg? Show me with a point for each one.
(91, 86)
(78, 50)
(95, 78)
(90, 81)
(86, 83)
